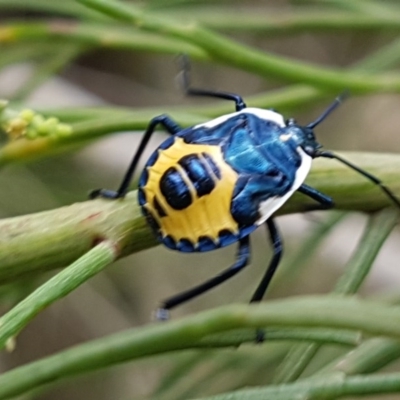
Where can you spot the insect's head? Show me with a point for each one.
(304, 135)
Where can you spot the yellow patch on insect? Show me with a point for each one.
(206, 215)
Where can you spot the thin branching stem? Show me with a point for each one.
(95, 260)
(329, 312)
(332, 387)
(265, 64)
(93, 35)
(376, 232)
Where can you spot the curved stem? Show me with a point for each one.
(95, 35)
(264, 64)
(55, 288)
(332, 387)
(376, 232)
(142, 342)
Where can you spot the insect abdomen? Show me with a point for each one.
(186, 195)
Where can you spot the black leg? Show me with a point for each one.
(273, 265)
(242, 258)
(169, 125)
(325, 202)
(372, 178)
(185, 74)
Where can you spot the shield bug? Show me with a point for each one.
(211, 185)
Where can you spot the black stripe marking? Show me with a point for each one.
(197, 172)
(157, 206)
(175, 189)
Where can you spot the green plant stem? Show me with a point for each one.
(366, 7)
(22, 150)
(376, 232)
(264, 64)
(382, 59)
(284, 23)
(55, 238)
(55, 288)
(340, 337)
(92, 123)
(83, 132)
(370, 356)
(125, 37)
(283, 99)
(93, 35)
(66, 8)
(326, 388)
(295, 362)
(278, 23)
(330, 312)
(22, 51)
(294, 264)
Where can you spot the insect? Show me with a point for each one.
(211, 185)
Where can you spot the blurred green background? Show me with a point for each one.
(128, 292)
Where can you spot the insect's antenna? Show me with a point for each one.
(336, 103)
(372, 178)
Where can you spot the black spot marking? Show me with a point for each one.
(175, 189)
(198, 174)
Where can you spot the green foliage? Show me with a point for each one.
(319, 347)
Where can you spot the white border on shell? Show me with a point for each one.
(268, 207)
(267, 115)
